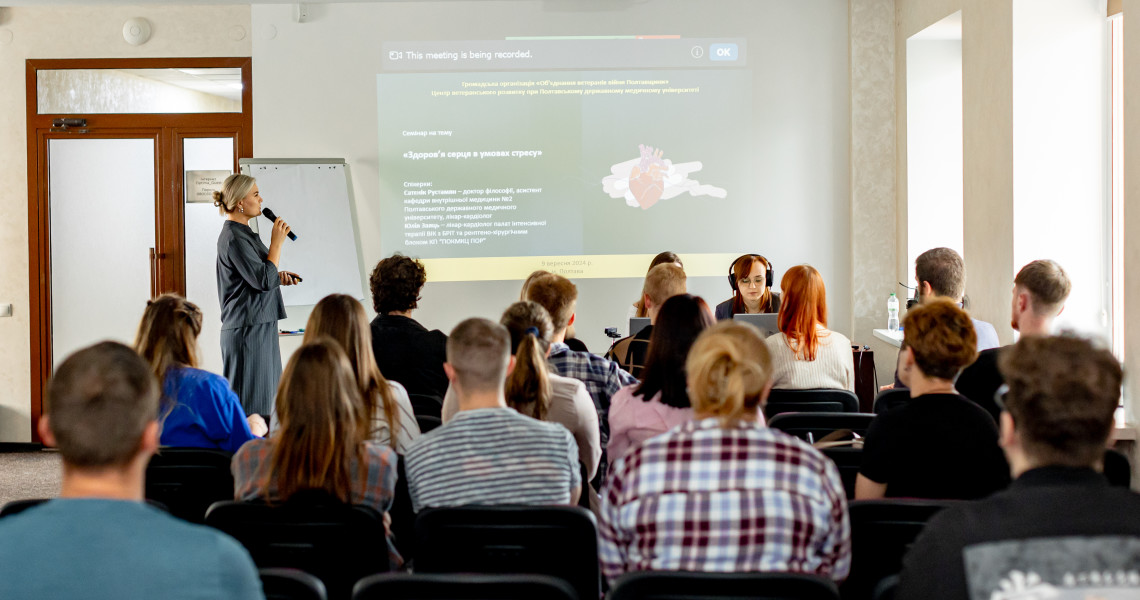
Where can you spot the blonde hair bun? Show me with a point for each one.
(728, 369)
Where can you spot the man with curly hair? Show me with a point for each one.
(405, 350)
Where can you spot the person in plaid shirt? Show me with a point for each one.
(319, 443)
(603, 378)
(723, 493)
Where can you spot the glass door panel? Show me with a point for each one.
(205, 160)
(102, 235)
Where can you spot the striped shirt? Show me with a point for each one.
(741, 498)
(493, 456)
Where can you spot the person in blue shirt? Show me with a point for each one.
(199, 409)
(99, 540)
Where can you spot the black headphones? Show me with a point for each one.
(769, 277)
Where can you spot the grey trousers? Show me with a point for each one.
(251, 359)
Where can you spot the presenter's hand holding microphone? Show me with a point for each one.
(281, 230)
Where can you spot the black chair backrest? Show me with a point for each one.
(680, 585)
(335, 542)
(427, 423)
(885, 589)
(291, 584)
(820, 424)
(560, 541)
(782, 401)
(403, 516)
(16, 507)
(426, 404)
(888, 399)
(848, 460)
(189, 480)
(1117, 468)
(881, 533)
(584, 496)
(399, 586)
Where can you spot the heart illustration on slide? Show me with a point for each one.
(644, 181)
(647, 186)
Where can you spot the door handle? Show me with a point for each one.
(153, 269)
(154, 258)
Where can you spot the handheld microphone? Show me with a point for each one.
(268, 214)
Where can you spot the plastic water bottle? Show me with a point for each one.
(893, 313)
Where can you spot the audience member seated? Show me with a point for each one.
(941, 273)
(662, 282)
(939, 445)
(532, 390)
(342, 319)
(603, 378)
(199, 410)
(1060, 530)
(805, 354)
(99, 540)
(751, 278)
(489, 453)
(405, 350)
(529, 280)
(723, 493)
(639, 310)
(320, 444)
(1039, 293)
(661, 401)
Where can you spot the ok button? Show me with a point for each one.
(723, 52)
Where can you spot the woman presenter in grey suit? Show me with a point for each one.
(249, 291)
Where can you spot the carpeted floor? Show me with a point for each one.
(29, 475)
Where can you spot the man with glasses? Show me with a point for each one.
(1060, 530)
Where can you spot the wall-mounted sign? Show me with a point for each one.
(201, 185)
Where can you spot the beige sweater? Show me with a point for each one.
(833, 367)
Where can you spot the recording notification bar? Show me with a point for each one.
(632, 52)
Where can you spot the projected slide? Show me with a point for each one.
(506, 151)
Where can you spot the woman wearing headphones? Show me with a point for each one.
(751, 279)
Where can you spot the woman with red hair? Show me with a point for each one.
(805, 354)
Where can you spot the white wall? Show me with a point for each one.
(1061, 189)
(315, 96)
(934, 146)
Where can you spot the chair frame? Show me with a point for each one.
(464, 586)
(160, 475)
(801, 401)
(257, 526)
(680, 585)
(794, 422)
(288, 582)
(496, 535)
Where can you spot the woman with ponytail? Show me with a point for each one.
(534, 391)
(386, 406)
(723, 493)
(199, 408)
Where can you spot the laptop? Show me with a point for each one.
(636, 324)
(765, 322)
